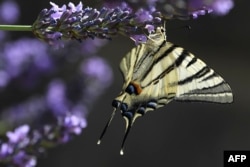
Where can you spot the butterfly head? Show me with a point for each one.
(157, 37)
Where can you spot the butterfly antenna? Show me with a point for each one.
(106, 126)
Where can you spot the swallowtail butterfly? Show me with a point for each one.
(157, 72)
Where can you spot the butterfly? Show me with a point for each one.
(157, 72)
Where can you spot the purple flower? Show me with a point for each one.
(222, 7)
(22, 159)
(19, 134)
(18, 55)
(58, 11)
(139, 39)
(57, 104)
(143, 15)
(182, 9)
(56, 98)
(96, 71)
(127, 17)
(74, 124)
(5, 150)
(54, 89)
(74, 8)
(9, 12)
(219, 7)
(97, 68)
(76, 22)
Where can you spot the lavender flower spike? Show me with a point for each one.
(75, 22)
(180, 9)
(19, 134)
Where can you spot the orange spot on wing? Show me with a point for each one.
(137, 87)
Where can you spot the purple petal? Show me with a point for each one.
(55, 7)
(6, 149)
(150, 28)
(58, 11)
(139, 39)
(144, 15)
(75, 124)
(19, 134)
(74, 8)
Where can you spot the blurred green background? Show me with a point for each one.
(180, 134)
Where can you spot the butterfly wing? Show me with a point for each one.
(174, 72)
(129, 63)
(198, 82)
(142, 68)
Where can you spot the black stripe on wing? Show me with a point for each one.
(198, 74)
(217, 93)
(221, 87)
(171, 67)
(150, 53)
(226, 97)
(162, 56)
(181, 58)
(213, 75)
(191, 62)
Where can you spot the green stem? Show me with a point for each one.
(16, 27)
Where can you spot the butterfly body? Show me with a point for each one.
(157, 72)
